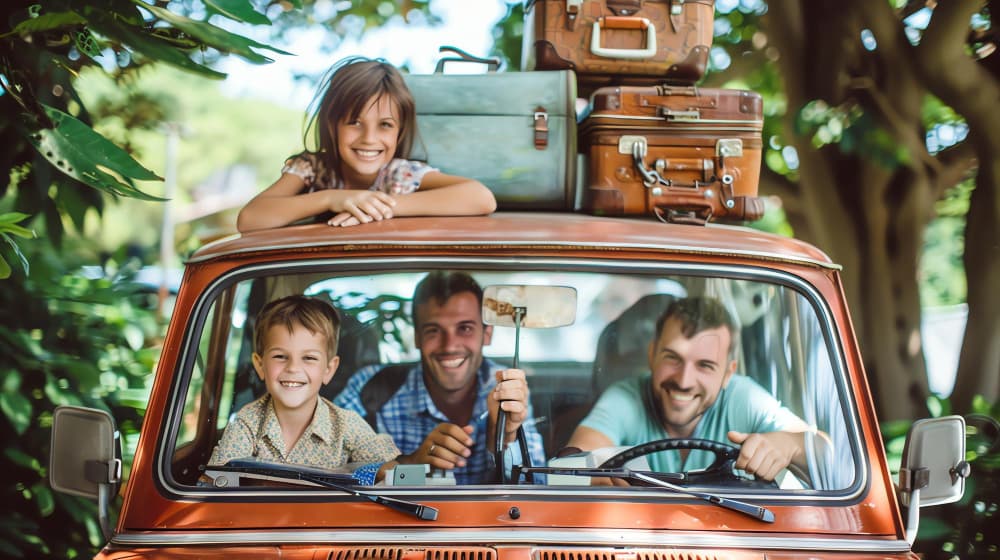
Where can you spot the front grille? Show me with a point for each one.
(413, 553)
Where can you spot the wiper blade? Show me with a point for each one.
(419, 511)
(757, 512)
(325, 479)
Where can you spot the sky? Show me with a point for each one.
(466, 24)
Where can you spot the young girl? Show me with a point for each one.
(364, 128)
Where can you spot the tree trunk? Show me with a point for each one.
(979, 362)
(868, 215)
(972, 89)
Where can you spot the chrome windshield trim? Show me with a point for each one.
(488, 492)
(513, 535)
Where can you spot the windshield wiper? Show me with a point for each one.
(326, 479)
(757, 512)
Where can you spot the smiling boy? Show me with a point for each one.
(295, 345)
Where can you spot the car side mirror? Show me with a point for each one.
(933, 469)
(85, 456)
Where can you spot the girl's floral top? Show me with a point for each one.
(401, 176)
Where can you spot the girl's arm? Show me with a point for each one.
(439, 195)
(284, 203)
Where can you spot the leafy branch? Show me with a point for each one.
(43, 47)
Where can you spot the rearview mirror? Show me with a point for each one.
(539, 307)
(532, 307)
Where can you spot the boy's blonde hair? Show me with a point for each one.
(315, 315)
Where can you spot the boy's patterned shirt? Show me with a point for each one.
(401, 176)
(334, 437)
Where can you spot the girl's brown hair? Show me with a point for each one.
(347, 88)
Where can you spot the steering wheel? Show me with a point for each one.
(719, 472)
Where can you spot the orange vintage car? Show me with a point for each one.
(590, 289)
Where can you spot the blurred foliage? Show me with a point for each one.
(229, 149)
(67, 339)
(70, 337)
(51, 154)
(851, 129)
(508, 34)
(942, 272)
(964, 529)
(346, 19)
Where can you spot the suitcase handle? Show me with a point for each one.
(492, 63)
(745, 208)
(652, 180)
(621, 22)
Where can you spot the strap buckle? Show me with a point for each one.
(540, 120)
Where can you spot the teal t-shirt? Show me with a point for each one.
(621, 413)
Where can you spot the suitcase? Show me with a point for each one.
(619, 42)
(514, 132)
(684, 154)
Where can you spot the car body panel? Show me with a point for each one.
(156, 515)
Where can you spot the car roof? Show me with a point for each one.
(533, 230)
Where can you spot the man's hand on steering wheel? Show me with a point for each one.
(765, 455)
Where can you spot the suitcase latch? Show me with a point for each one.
(572, 13)
(729, 147)
(625, 143)
(541, 126)
(671, 115)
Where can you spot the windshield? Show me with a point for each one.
(614, 372)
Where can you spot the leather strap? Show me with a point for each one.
(747, 208)
(572, 14)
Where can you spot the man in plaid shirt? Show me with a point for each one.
(446, 409)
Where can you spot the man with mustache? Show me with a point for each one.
(691, 392)
(445, 411)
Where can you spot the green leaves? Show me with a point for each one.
(239, 10)
(46, 22)
(17, 409)
(154, 47)
(216, 36)
(76, 150)
(8, 227)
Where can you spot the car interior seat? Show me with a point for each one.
(622, 345)
(621, 353)
(358, 346)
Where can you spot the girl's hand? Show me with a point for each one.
(344, 219)
(362, 206)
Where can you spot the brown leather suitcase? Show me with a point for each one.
(685, 154)
(619, 42)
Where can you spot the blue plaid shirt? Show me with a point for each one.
(410, 414)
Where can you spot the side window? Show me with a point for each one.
(188, 430)
(209, 398)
